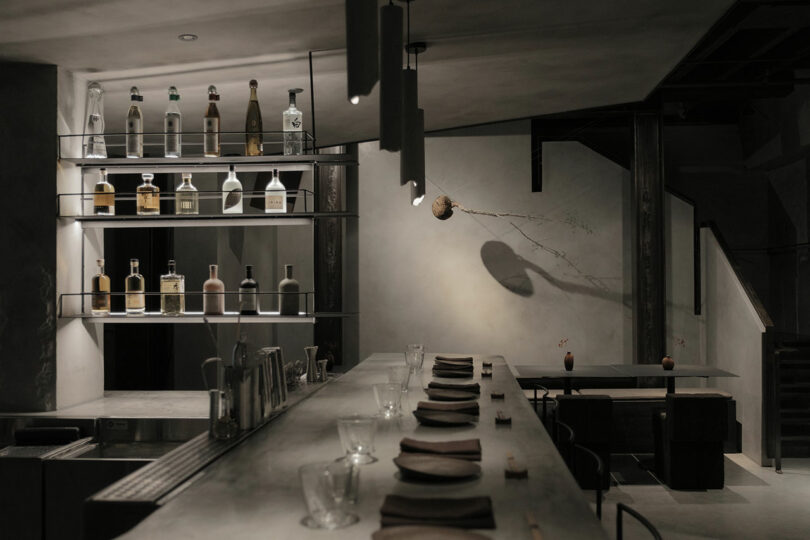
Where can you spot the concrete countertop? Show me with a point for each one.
(254, 491)
(133, 404)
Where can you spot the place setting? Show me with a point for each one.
(445, 461)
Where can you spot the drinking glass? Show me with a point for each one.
(400, 375)
(388, 396)
(414, 359)
(325, 487)
(357, 437)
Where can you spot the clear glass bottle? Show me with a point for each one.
(248, 293)
(232, 194)
(254, 143)
(289, 301)
(100, 288)
(135, 124)
(103, 196)
(275, 196)
(213, 297)
(94, 145)
(211, 145)
(172, 292)
(148, 197)
(186, 197)
(173, 126)
(135, 287)
(293, 125)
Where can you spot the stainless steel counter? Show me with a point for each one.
(254, 492)
(132, 404)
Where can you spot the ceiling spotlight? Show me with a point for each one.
(354, 100)
(187, 37)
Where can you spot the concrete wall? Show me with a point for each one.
(733, 340)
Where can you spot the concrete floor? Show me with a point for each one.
(755, 503)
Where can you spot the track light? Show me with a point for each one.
(361, 48)
(390, 77)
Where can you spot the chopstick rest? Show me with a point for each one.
(497, 395)
(514, 469)
(486, 373)
(502, 418)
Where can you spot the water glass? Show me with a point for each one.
(400, 375)
(389, 397)
(357, 437)
(414, 359)
(327, 487)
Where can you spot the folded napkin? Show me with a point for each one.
(466, 407)
(467, 513)
(452, 365)
(467, 359)
(465, 449)
(475, 388)
(453, 373)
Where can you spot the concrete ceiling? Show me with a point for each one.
(487, 60)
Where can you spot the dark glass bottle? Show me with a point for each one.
(248, 293)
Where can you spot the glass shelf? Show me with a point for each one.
(204, 164)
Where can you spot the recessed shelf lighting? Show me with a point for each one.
(187, 37)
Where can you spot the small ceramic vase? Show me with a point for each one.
(667, 363)
(568, 361)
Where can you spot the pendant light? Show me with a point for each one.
(412, 158)
(418, 183)
(390, 77)
(361, 48)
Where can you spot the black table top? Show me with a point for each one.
(614, 371)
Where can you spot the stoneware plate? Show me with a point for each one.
(443, 419)
(456, 374)
(433, 468)
(438, 394)
(424, 532)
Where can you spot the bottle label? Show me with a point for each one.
(104, 199)
(274, 202)
(211, 125)
(233, 198)
(149, 201)
(292, 122)
(248, 299)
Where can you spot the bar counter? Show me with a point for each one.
(254, 492)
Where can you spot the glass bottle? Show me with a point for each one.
(275, 196)
(94, 146)
(103, 196)
(288, 301)
(172, 292)
(134, 286)
(186, 197)
(248, 293)
(100, 287)
(253, 124)
(148, 197)
(293, 121)
(135, 125)
(213, 297)
(232, 194)
(173, 126)
(211, 146)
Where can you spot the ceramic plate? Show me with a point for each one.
(443, 419)
(450, 395)
(424, 532)
(436, 468)
(457, 374)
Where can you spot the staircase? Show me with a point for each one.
(791, 391)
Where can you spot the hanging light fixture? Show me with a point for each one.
(418, 183)
(390, 77)
(361, 48)
(412, 158)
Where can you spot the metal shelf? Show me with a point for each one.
(213, 164)
(194, 317)
(244, 220)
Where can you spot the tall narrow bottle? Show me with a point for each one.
(172, 292)
(147, 197)
(293, 125)
(103, 196)
(211, 145)
(254, 145)
(275, 196)
(213, 297)
(135, 124)
(94, 145)
(248, 293)
(100, 288)
(232, 194)
(134, 287)
(173, 126)
(186, 197)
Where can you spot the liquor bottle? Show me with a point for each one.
(100, 287)
(232, 194)
(134, 286)
(275, 196)
(248, 293)
(253, 124)
(148, 197)
(94, 145)
(172, 292)
(135, 125)
(173, 126)
(293, 121)
(288, 300)
(211, 146)
(103, 196)
(186, 197)
(213, 297)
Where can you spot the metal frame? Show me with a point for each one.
(621, 507)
